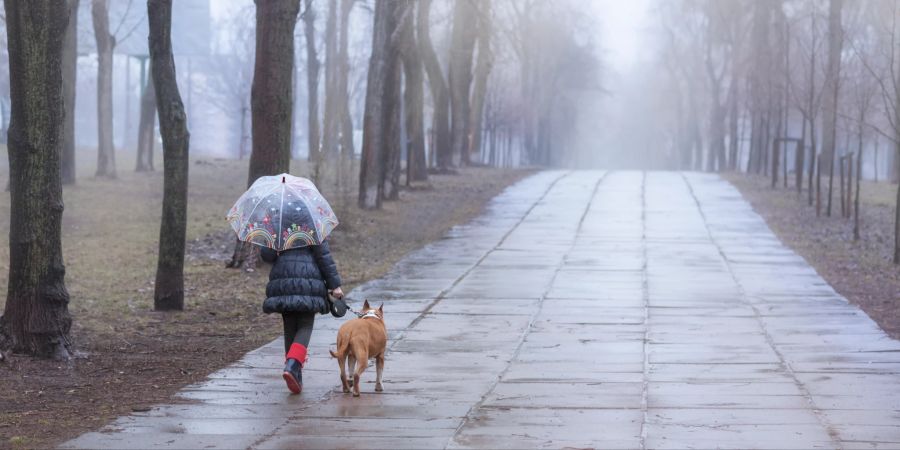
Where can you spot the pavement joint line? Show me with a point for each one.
(441, 295)
(833, 433)
(645, 296)
(562, 261)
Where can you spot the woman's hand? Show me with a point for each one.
(337, 293)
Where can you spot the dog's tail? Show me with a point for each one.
(342, 348)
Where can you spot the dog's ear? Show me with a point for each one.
(381, 308)
(366, 305)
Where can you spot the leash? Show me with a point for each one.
(359, 315)
(356, 313)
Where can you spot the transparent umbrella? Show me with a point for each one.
(282, 212)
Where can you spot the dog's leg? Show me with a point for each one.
(379, 368)
(362, 362)
(342, 361)
(351, 367)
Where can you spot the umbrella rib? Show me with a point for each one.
(261, 197)
(280, 218)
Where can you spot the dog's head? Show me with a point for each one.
(378, 312)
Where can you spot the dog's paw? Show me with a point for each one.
(379, 388)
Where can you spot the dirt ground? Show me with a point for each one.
(130, 357)
(862, 271)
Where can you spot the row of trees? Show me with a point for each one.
(781, 87)
(539, 52)
(36, 318)
(535, 46)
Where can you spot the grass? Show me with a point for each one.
(110, 240)
(860, 270)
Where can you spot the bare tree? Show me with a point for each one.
(70, 66)
(414, 101)
(831, 91)
(462, 47)
(147, 127)
(483, 66)
(382, 101)
(106, 42)
(312, 82)
(169, 287)
(36, 317)
(228, 87)
(440, 94)
(332, 117)
(271, 98)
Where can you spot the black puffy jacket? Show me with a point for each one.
(300, 279)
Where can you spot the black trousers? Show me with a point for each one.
(297, 328)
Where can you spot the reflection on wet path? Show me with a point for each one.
(583, 309)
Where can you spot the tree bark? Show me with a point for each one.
(332, 118)
(897, 208)
(343, 101)
(106, 157)
(414, 102)
(147, 127)
(70, 70)
(390, 177)
(312, 81)
(832, 81)
(462, 46)
(36, 318)
(169, 288)
(483, 65)
(271, 99)
(370, 195)
(440, 94)
(859, 163)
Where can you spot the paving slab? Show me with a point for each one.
(583, 309)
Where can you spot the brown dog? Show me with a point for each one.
(357, 341)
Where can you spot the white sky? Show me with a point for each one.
(623, 24)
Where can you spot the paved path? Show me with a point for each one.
(583, 309)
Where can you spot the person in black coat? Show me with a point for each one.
(300, 282)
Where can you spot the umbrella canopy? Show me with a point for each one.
(282, 212)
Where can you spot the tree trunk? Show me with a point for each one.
(70, 70)
(733, 113)
(829, 106)
(374, 120)
(859, 163)
(242, 147)
(343, 101)
(312, 81)
(106, 157)
(777, 145)
(414, 102)
(843, 198)
(875, 160)
(483, 66)
(896, 207)
(461, 48)
(36, 318)
(147, 127)
(390, 176)
(169, 288)
(440, 94)
(271, 99)
(332, 119)
(813, 159)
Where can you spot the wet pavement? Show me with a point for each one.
(585, 310)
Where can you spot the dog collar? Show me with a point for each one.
(370, 313)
